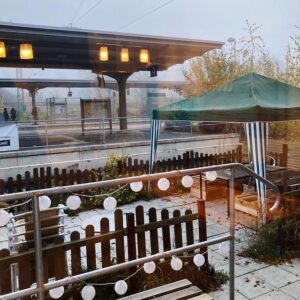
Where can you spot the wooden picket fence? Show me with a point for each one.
(138, 238)
(47, 177)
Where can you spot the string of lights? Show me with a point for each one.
(88, 292)
(73, 202)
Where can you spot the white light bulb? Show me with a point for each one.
(110, 203)
(136, 186)
(44, 202)
(4, 217)
(199, 260)
(176, 263)
(73, 202)
(88, 292)
(121, 287)
(224, 248)
(211, 175)
(56, 293)
(163, 184)
(149, 267)
(187, 181)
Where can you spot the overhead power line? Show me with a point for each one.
(76, 12)
(145, 15)
(88, 11)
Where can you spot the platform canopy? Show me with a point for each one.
(73, 48)
(32, 84)
(249, 98)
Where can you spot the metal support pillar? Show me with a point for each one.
(121, 79)
(122, 103)
(38, 249)
(32, 92)
(232, 234)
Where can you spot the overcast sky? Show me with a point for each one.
(199, 19)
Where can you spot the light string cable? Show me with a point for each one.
(17, 205)
(111, 283)
(95, 196)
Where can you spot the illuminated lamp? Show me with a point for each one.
(144, 56)
(26, 51)
(2, 50)
(103, 53)
(124, 55)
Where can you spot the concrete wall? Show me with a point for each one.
(13, 163)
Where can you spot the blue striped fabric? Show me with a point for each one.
(257, 139)
(155, 126)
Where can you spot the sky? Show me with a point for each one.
(198, 19)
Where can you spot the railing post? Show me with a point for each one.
(47, 137)
(232, 234)
(38, 248)
(202, 226)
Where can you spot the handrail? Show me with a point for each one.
(121, 181)
(42, 286)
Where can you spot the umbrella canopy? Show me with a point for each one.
(250, 98)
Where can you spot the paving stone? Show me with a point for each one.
(251, 286)
(238, 270)
(223, 294)
(216, 259)
(293, 267)
(276, 276)
(292, 290)
(251, 264)
(275, 295)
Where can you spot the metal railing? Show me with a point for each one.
(74, 131)
(42, 286)
(47, 133)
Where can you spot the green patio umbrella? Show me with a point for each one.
(252, 99)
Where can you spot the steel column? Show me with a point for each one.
(232, 234)
(38, 248)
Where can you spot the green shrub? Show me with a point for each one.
(275, 241)
(123, 194)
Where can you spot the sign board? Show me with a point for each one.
(60, 108)
(96, 108)
(9, 137)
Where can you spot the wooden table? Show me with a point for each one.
(182, 289)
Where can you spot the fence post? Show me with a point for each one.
(2, 186)
(239, 154)
(202, 226)
(284, 161)
(131, 236)
(5, 278)
(131, 244)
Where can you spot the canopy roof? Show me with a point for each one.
(41, 83)
(250, 98)
(73, 48)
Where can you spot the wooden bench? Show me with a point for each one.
(178, 290)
